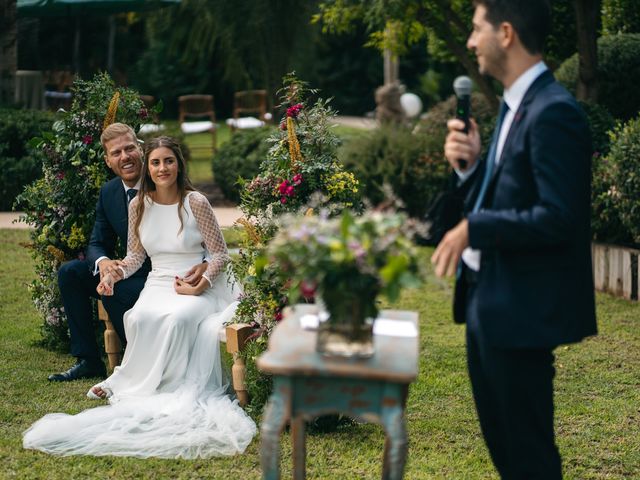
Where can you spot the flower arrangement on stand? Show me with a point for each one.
(302, 161)
(349, 261)
(60, 205)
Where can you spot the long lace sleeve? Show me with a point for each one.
(136, 254)
(211, 233)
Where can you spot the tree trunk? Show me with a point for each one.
(8, 51)
(587, 12)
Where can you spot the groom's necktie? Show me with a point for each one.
(132, 192)
(491, 157)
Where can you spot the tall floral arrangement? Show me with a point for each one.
(60, 206)
(301, 169)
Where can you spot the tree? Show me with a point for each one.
(587, 12)
(446, 25)
(251, 41)
(8, 50)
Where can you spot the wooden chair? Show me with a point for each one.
(235, 336)
(198, 106)
(249, 102)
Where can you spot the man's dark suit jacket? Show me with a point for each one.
(535, 285)
(111, 225)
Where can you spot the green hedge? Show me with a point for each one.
(240, 157)
(412, 163)
(624, 163)
(618, 74)
(19, 164)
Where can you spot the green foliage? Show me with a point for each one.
(624, 163)
(19, 164)
(620, 16)
(301, 163)
(60, 204)
(411, 163)
(618, 73)
(605, 222)
(240, 158)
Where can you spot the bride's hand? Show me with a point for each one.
(105, 287)
(184, 288)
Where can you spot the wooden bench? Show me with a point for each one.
(235, 336)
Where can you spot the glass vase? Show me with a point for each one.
(348, 332)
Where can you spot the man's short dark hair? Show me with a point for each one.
(530, 18)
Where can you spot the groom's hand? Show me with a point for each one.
(110, 267)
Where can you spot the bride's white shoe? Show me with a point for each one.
(102, 386)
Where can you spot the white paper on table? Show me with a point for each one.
(394, 328)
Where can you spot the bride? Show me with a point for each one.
(168, 398)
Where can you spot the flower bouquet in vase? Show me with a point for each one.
(347, 261)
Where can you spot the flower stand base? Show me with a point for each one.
(345, 340)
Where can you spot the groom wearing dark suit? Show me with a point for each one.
(78, 279)
(522, 253)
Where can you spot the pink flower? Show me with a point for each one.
(283, 187)
(283, 125)
(278, 316)
(294, 110)
(297, 179)
(143, 113)
(283, 200)
(307, 289)
(290, 191)
(60, 175)
(87, 139)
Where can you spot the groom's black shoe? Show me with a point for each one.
(82, 369)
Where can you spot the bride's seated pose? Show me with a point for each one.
(168, 398)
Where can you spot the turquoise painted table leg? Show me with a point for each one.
(395, 447)
(276, 415)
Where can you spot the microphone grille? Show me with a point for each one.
(462, 85)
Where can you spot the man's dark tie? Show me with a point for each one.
(132, 192)
(491, 157)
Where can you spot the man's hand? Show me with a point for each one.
(105, 287)
(449, 250)
(193, 276)
(462, 146)
(110, 267)
(183, 288)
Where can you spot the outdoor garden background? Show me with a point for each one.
(218, 47)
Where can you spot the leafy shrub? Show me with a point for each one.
(605, 222)
(240, 157)
(620, 16)
(19, 164)
(618, 73)
(601, 123)
(624, 163)
(60, 204)
(413, 164)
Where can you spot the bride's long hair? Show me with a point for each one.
(147, 185)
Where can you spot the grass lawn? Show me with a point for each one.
(598, 402)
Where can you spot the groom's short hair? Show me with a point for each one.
(531, 19)
(116, 130)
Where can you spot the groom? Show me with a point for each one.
(78, 279)
(522, 254)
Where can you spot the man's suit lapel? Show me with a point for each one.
(543, 80)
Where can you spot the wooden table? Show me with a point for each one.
(306, 385)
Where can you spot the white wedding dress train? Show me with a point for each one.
(168, 398)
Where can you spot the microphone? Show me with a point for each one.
(462, 87)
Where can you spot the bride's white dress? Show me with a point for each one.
(168, 397)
